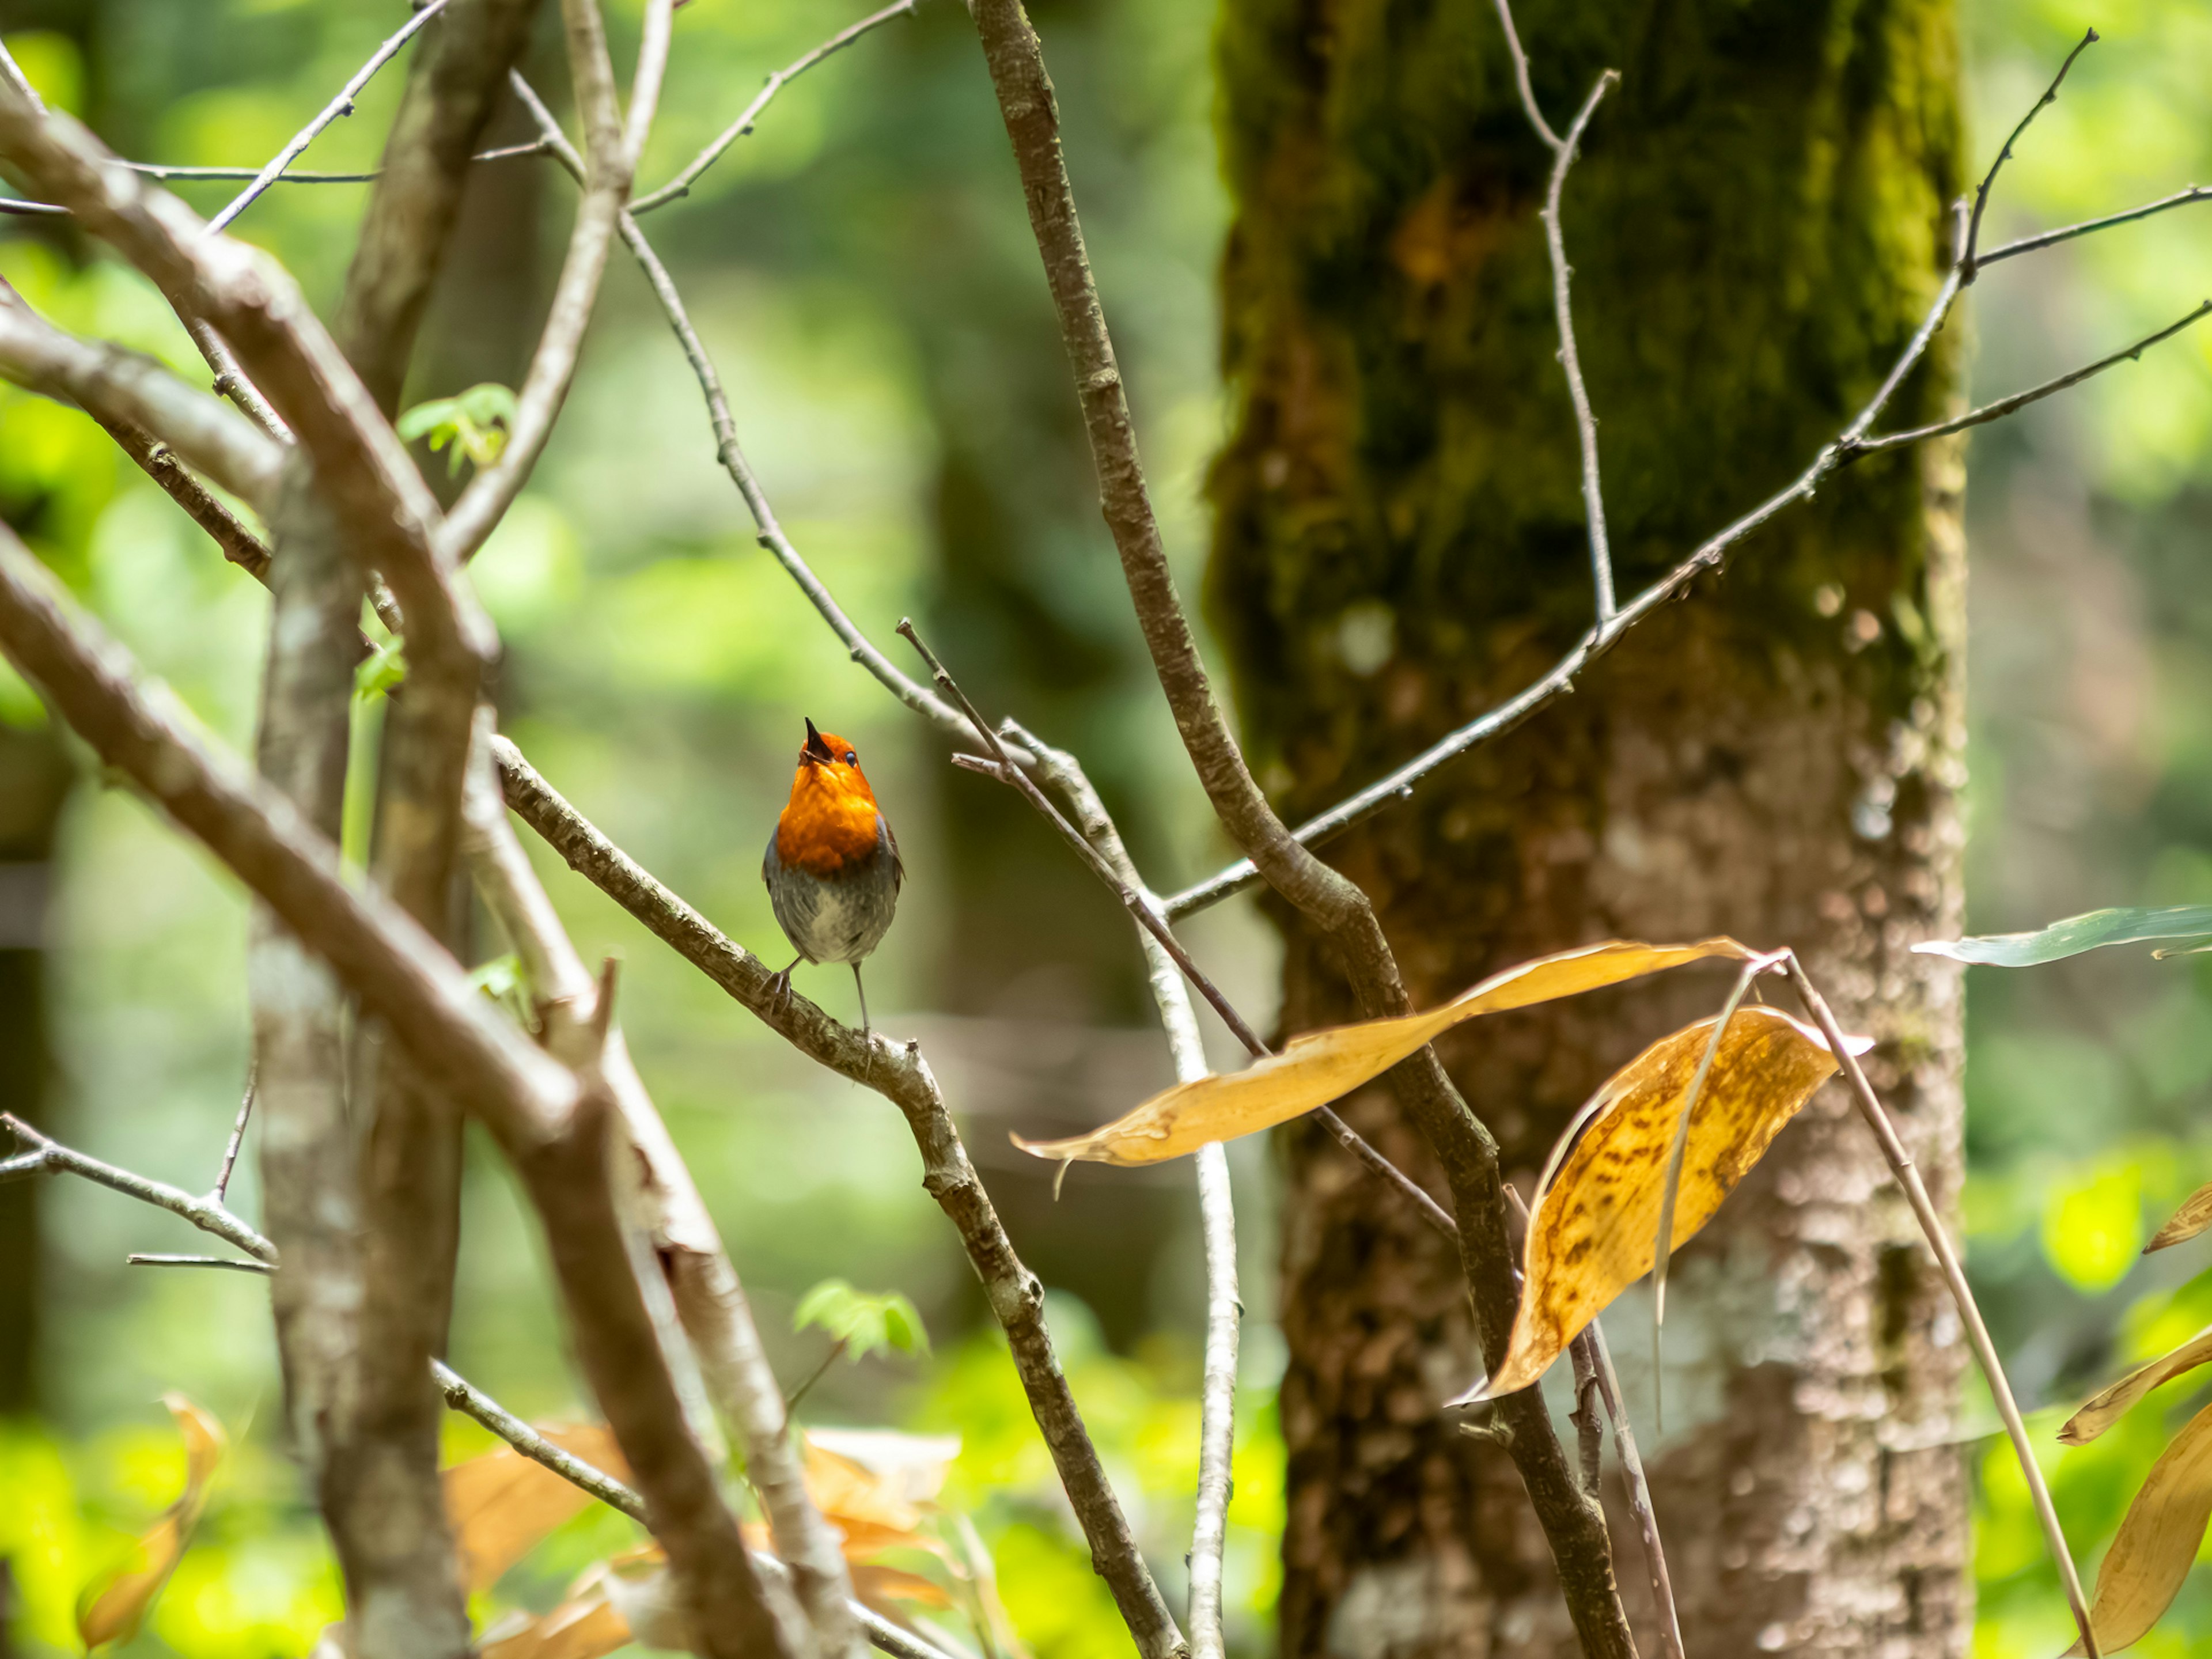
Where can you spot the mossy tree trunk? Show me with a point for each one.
(1759, 222)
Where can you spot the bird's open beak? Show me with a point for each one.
(814, 749)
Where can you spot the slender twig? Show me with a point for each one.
(1570, 365)
(186, 175)
(1967, 260)
(612, 143)
(1145, 912)
(1639, 1495)
(2044, 239)
(237, 1137)
(1592, 1353)
(1528, 104)
(144, 1259)
(232, 534)
(682, 183)
(115, 385)
(863, 651)
(902, 1077)
(1217, 1214)
(2004, 406)
(341, 104)
(806, 1383)
(1954, 1276)
(207, 1214)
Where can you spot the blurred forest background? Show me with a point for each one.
(862, 271)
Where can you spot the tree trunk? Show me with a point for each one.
(1757, 223)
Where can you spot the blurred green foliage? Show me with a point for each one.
(861, 271)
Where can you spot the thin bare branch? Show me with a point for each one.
(341, 104)
(140, 1258)
(2004, 406)
(453, 86)
(1967, 260)
(2045, 239)
(732, 456)
(742, 127)
(1563, 317)
(119, 386)
(900, 1076)
(1528, 104)
(237, 1139)
(1639, 1497)
(49, 1156)
(1954, 1276)
(612, 146)
(1224, 1307)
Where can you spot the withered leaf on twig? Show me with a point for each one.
(113, 1610)
(1320, 1066)
(2107, 1408)
(1594, 1226)
(2157, 1540)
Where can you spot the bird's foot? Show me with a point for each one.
(779, 991)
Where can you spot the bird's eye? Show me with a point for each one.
(851, 759)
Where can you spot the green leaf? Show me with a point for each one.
(475, 422)
(864, 1323)
(2074, 935)
(384, 667)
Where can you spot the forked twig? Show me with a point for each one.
(681, 183)
(1967, 257)
(1146, 913)
(340, 105)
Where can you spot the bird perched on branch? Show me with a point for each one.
(832, 866)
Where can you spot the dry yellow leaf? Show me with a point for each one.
(2143, 1569)
(2106, 1408)
(502, 1505)
(1321, 1067)
(114, 1610)
(2194, 1216)
(1595, 1224)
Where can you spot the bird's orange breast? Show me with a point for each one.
(829, 825)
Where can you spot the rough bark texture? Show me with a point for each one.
(1757, 223)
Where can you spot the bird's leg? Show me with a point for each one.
(863, 990)
(779, 987)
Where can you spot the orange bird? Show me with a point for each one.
(832, 866)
